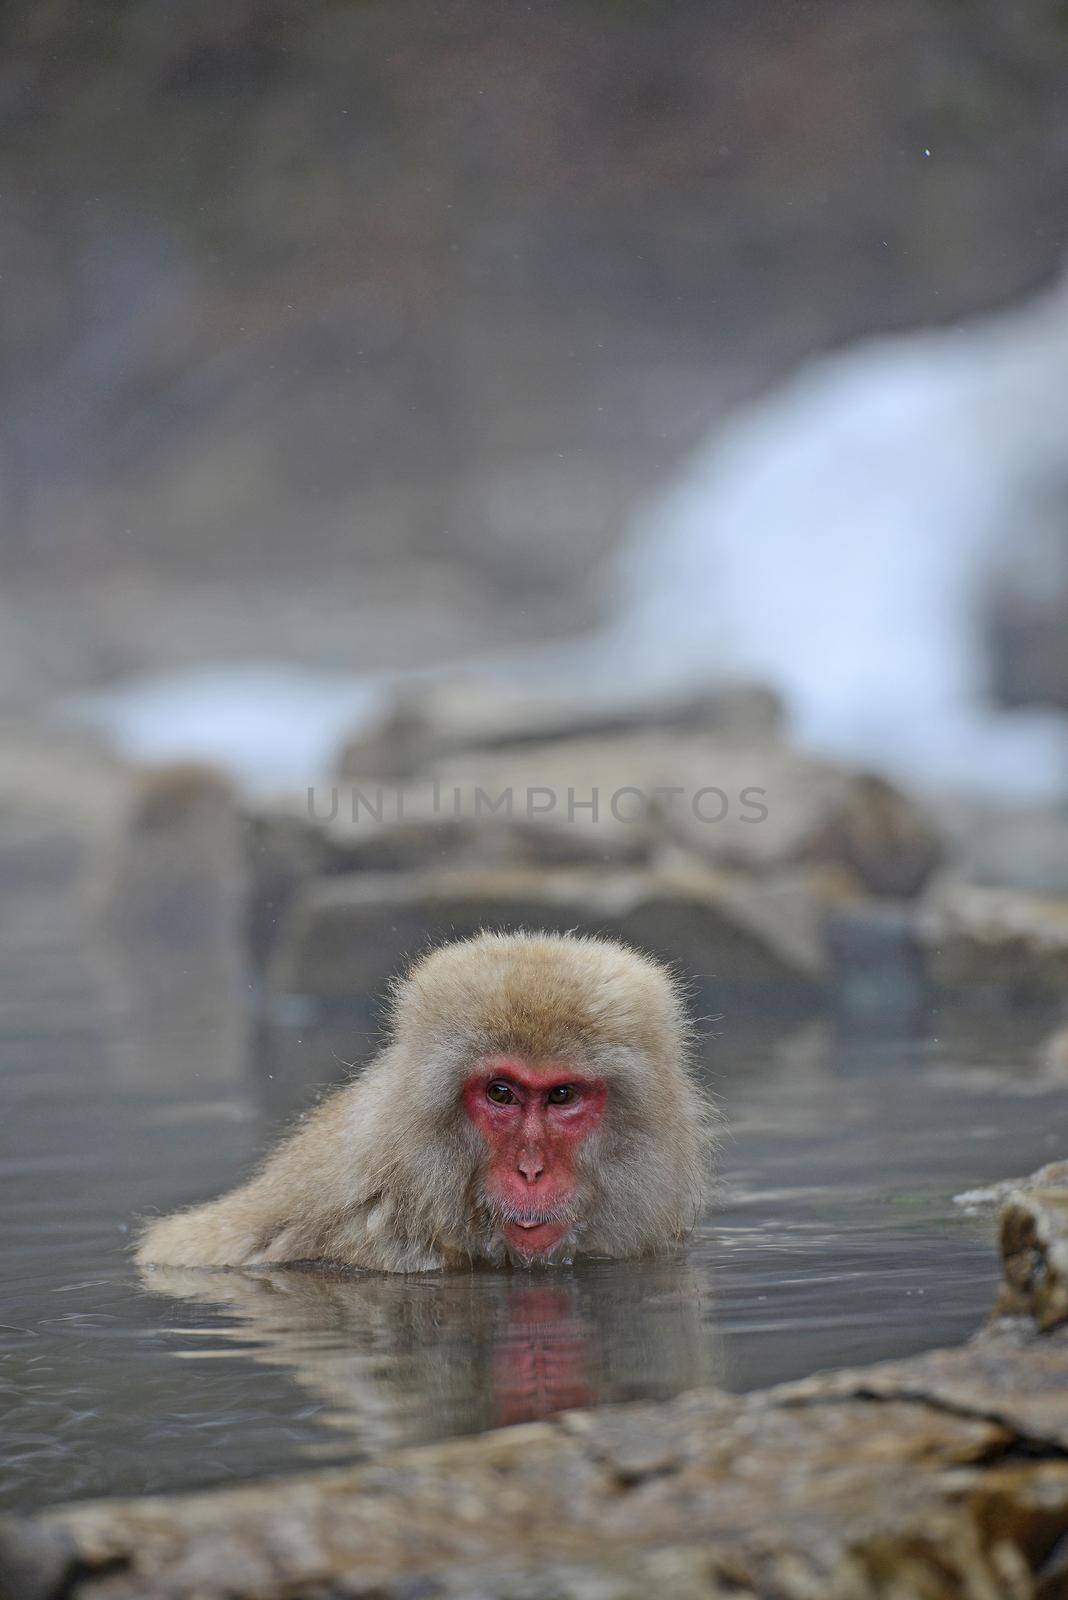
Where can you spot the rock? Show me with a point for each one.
(752, 806)
(811, 811)
(594, 800)
(1051, 1176)
(348, 935)
(1007, 1374)
(1008, 847)
(941, 1478)
(421, 827)
(621, 800)
(995, 940)
(287, 848)
(889, 840)
(36, 1563)
(1034, 1253)
(427, 725)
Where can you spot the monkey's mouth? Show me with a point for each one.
(533, 1237)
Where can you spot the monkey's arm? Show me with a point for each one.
(305, 1203)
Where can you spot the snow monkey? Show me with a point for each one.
(536, 1100)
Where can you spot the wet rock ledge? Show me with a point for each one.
(941, 1476)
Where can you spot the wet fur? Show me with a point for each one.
(386, 1174)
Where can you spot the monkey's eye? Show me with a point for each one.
(500, 1094)
(561, 1095)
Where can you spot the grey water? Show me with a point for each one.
(133, 1078)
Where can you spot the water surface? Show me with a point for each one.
(132, 1080)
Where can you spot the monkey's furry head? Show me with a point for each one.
(591, 1002)
(541, 996)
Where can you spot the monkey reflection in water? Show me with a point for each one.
(402, 1360)
(536, 1102)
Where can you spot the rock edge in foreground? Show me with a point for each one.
(942, 1476)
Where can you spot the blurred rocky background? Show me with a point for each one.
(610, 399)
(353, 333)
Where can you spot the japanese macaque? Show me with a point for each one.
(536, 1101)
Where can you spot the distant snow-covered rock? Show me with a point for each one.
(839, 539)
(275, 725)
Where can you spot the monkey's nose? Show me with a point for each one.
(531, 1167)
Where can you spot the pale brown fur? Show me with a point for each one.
(386, 1173)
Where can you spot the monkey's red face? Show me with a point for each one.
(535, 1121)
